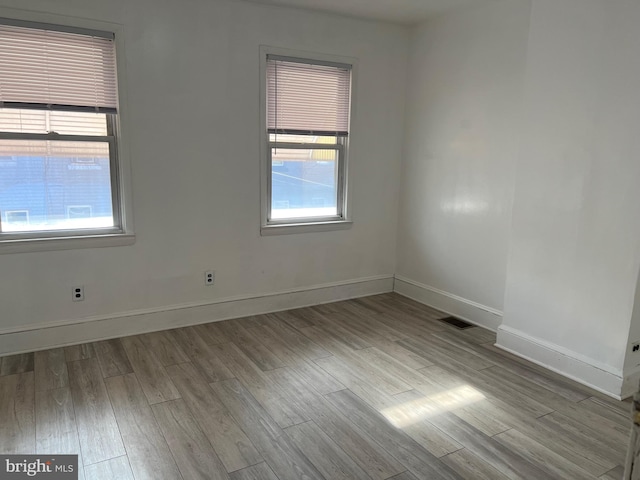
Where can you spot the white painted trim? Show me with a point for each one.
(472, 312)
(58, 334)
(587, 371)
(44, 244)
(289, 228)
(630, 382)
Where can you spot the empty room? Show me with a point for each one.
(319, 239)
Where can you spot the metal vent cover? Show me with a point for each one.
(456, 322)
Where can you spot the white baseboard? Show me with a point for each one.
(60, 334)
(575, 366)
(630, 382)
(468, 310)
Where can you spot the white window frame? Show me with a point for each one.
(343, 147)
(123, 233)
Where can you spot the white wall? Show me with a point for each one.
(192, 126)
(575, 238)
(463, 115)
(520, 180)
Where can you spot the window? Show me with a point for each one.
(59, 170)
(16, 217)
(307, 112)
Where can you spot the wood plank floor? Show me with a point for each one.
(374, 388)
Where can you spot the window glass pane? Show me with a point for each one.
(52, 185)
(41, 121)
(303, 183)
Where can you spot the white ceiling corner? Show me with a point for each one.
(397, 11)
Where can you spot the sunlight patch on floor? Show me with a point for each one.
(408, 413)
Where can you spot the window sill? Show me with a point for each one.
(44, 244)
(311, 227)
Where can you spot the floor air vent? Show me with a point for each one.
(456, 322)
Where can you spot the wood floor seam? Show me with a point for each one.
(375, 388)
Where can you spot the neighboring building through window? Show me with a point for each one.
(307, 123)
(16, 217)
(58, 132)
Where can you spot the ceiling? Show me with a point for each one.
(397, 11)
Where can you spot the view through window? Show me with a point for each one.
(55, 184)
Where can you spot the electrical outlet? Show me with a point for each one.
(635, 347)
(78, 294)
(209, 277)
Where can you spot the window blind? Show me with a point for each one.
(54, 149)
(43, 121)
(56, 70)
(305, 98)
